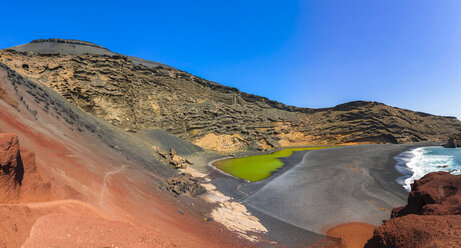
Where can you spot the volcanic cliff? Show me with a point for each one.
(432, 217)
(138, 95)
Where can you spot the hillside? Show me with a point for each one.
(138, 96)
(70, 179)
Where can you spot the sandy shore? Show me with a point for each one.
(334, 186)
(321, 190)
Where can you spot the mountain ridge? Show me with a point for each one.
(87, 43)
(137, 96)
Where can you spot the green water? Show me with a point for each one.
(259, 167)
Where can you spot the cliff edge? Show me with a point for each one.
(432, 217)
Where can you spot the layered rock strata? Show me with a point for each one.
(138, 96)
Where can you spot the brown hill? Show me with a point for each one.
(144, 96)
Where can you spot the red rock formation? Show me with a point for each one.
(418, 231)
(11, 167)
(432, 217)
(437, 193)
(19, 179)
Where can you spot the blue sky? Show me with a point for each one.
(305, 53)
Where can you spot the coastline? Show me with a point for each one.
(319, 190)
(416, 163)
(335, 186)
(210, 164)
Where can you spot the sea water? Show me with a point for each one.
(418, 162)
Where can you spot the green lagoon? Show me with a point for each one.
(258, 167)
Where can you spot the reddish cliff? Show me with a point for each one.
(19, 178)
(432, 217)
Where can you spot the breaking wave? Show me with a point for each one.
(418, 162)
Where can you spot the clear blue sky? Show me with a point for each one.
(305, 53)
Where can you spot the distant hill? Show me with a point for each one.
(138, 95)
(75, 47)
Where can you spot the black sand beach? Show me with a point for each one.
(319, 189)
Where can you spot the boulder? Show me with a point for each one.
(432, 217)
(172, 158)
(184, 184)
(176, 161)
(19, 177)
(454, 141)
(418, 231)
(437, 193)
(11, 166)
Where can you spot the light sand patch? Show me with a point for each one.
(223, 142)
(212, 195)
(233, 215)
(236, 218)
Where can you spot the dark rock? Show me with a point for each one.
(454, 141)
(184, 184)
(172, 159)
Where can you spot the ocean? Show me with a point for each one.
(418, 162)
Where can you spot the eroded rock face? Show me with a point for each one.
(11, 166)
(454, 141)
(432, 217)
(136, 97)
(437, 193)
(19, 178)
(184, 184)
(171, 158)
(418, 231)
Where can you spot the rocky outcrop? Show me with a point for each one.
(454, 141)
(432, 217)
(4, 96)
(172, 158)
(437, 193)
(418, 231)
(11, 166)
(184, 184)
(137, 97)
(19, 178)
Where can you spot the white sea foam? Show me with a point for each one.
(416, 163)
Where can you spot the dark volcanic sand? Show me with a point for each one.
(281, 232)
(316, 190)
(334, 186)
